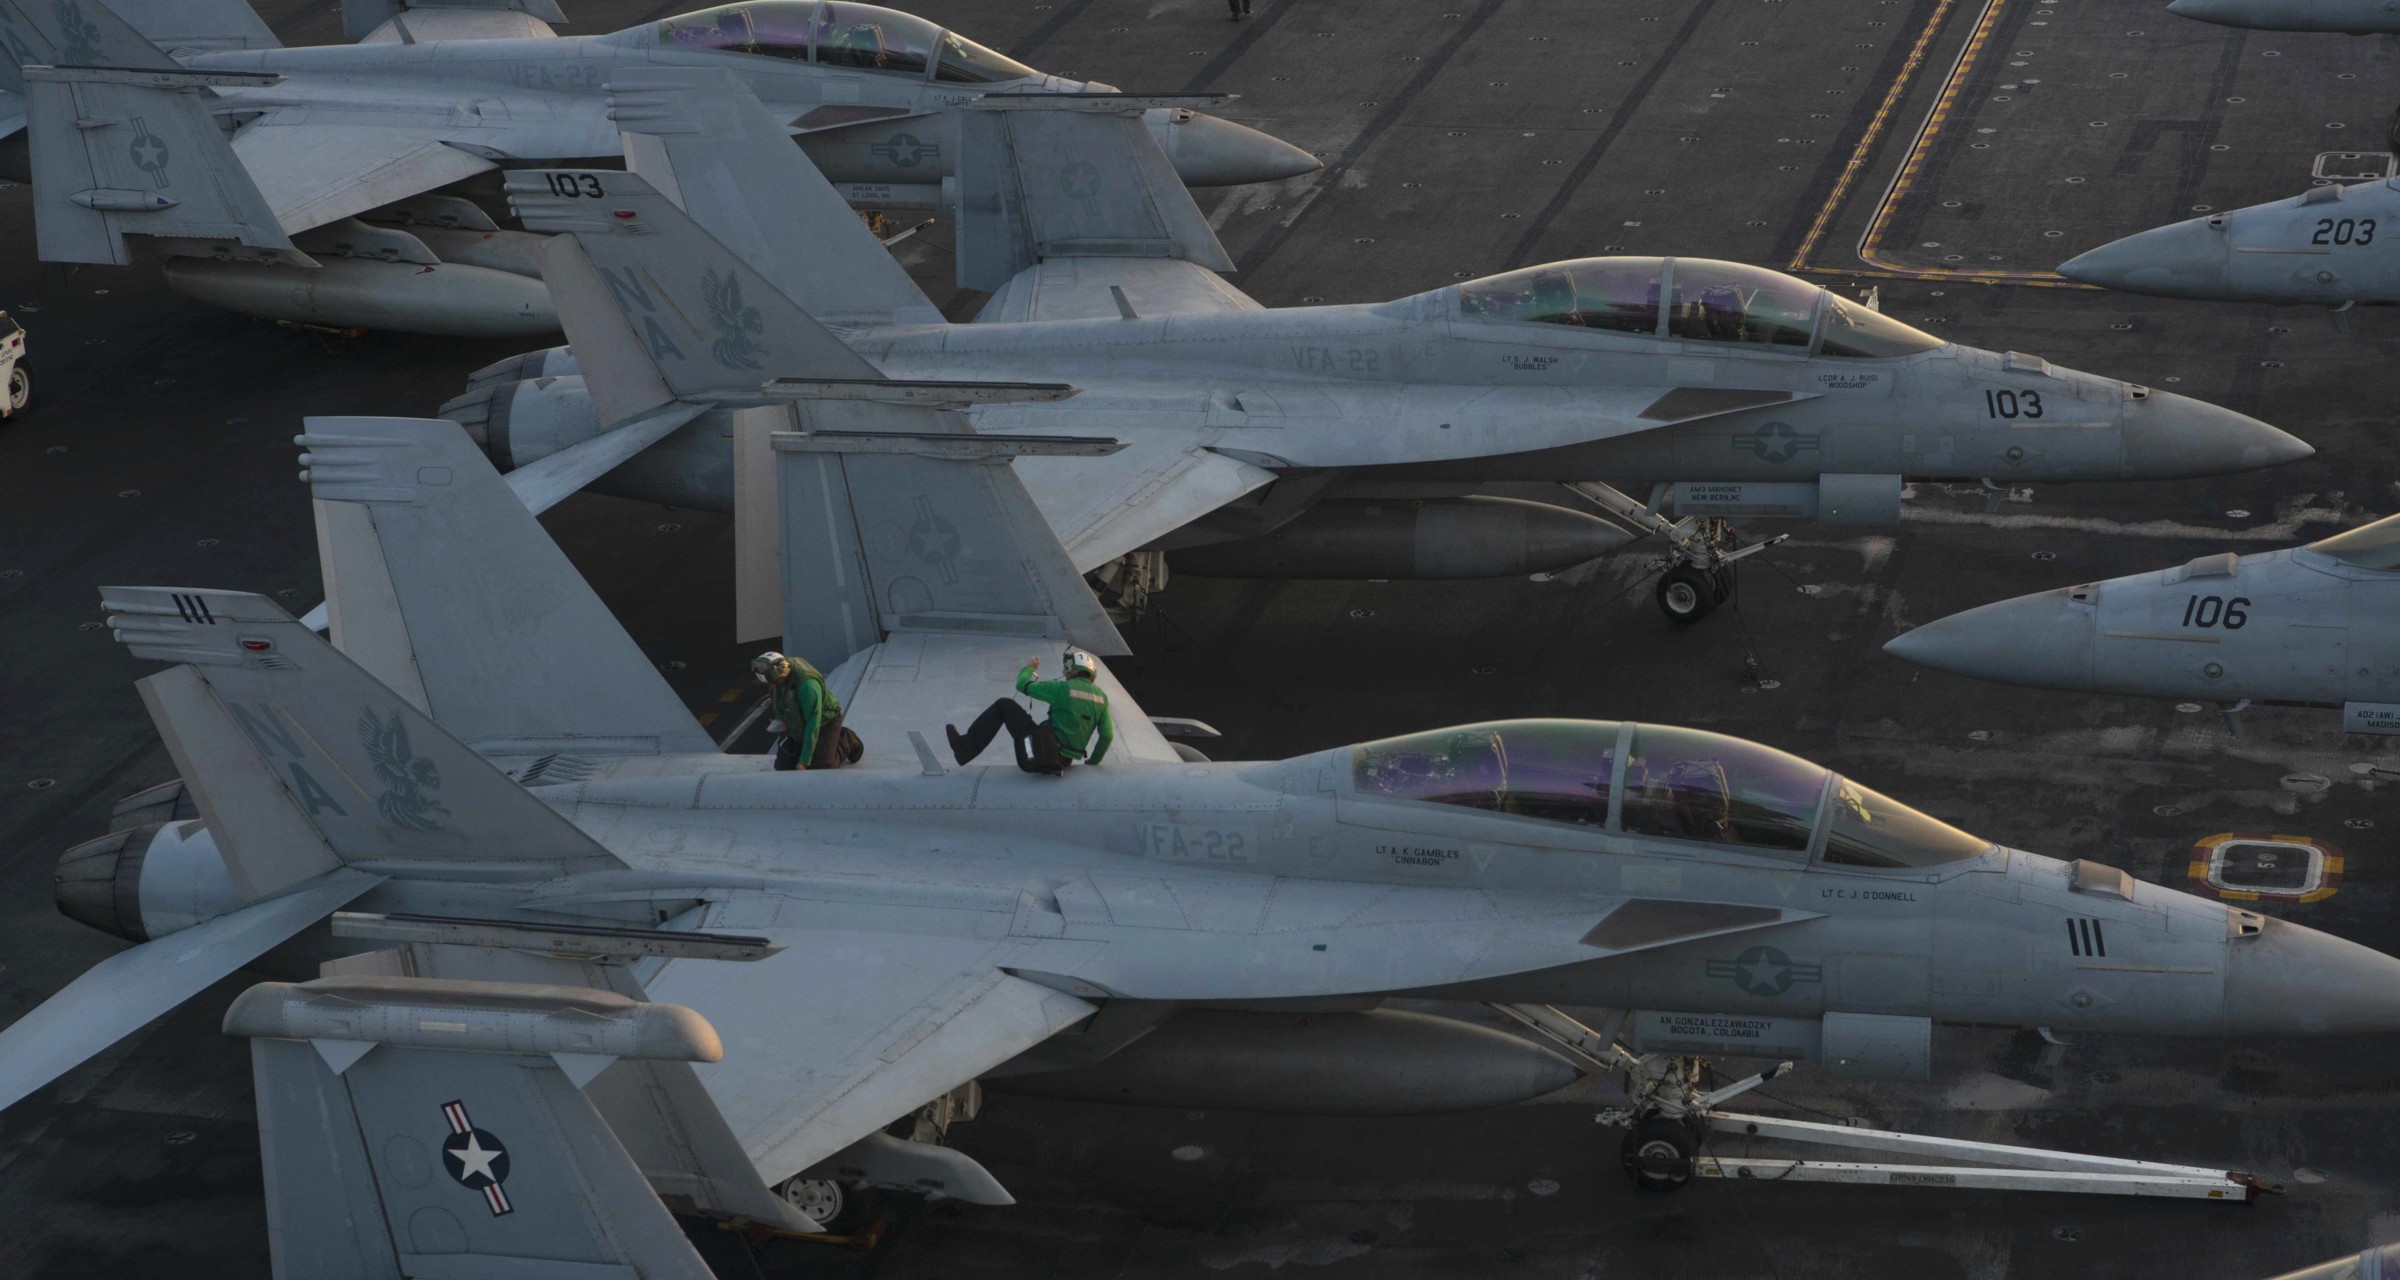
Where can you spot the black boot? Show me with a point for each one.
(958, 748)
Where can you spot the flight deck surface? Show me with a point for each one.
(1962, 148)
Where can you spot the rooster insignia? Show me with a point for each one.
(736, 324)
(408, 781)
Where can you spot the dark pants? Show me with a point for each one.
(828, 754)
(1037, 744)
(1239, 7)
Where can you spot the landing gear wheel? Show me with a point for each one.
(2391, 136)
(1658, 1154)
(1686, 595)
(20, 387)
(840, 1209)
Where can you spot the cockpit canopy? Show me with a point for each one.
(1698, 299)
(2369, 546)
(839, 33)
(1657, 780)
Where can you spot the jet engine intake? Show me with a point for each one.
(1466, 537)
(1383, 1062)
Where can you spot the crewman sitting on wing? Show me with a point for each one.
(808, 717)
(1078, 712)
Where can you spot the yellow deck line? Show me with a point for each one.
(1870, 245)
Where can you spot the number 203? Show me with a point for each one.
(2344, 231)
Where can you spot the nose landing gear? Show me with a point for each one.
(1697, 572)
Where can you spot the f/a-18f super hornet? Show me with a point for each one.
(2336, 245)
(2317, 625)
(352, 158)
(1269, 441)
(441, 778)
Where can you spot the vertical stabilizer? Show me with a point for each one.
(700, 137)
(442, 584)
(299, 760)
(1043, 177)
(120, 153)
(894, 520)
(652, 304)
(429, 1128)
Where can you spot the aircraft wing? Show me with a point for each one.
(312, 174)
(929, 994)
(1159, 482)
(1088, 288)
(844, 1029)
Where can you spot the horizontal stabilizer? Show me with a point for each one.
(1040, 185)
(136, 153)
(273, 729)
(467, 1153)
(700, 137)
(442, 584)
(117, 996)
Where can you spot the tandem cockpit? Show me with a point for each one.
(834, 33)
(1694, 299)
(1659, 781)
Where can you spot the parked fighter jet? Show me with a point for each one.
(1262, 437)
(2317, 625)
(445, 772)
(345, 143)
(2347, 17)
(2332, 246)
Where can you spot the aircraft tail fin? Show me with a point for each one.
(1066, 176)
(73, 33)
(301, 762)
(404, 1118)
(122, 153)
(197, 24)
(701, 138)
(897, 518)
(656, 308)
(441, 584)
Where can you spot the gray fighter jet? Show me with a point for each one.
(442, 773)
(1268, 441)
(2346, 17)
(2336, 246)
(2317, 625)
(359, 152)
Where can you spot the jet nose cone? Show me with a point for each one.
(2180, 260)
(1211, 152)
(2291, 980)
(2041, 640)
(2168, 436)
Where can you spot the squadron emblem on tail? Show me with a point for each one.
(408, 780)
(736, 324)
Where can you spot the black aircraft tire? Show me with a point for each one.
(1658, 1154)
(847, 1206)
(1686, 595)
(20, 387)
